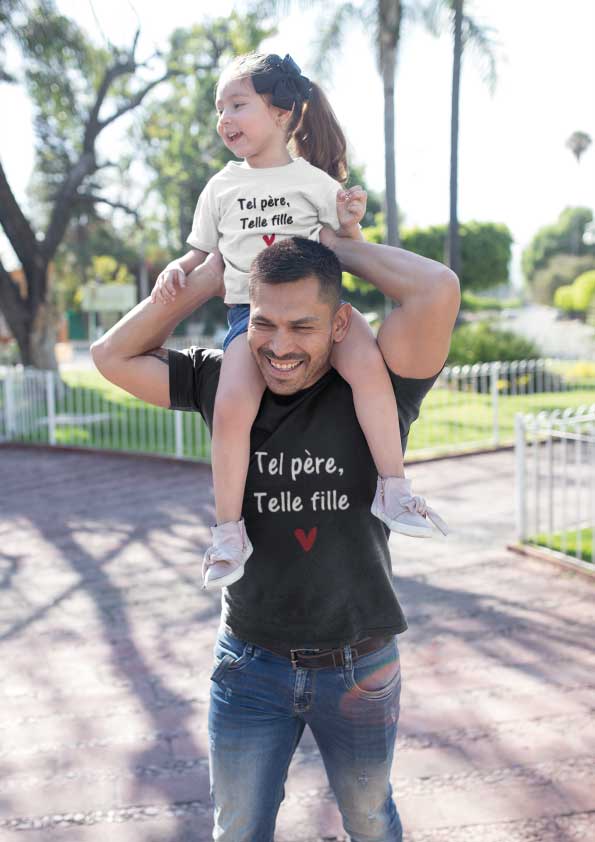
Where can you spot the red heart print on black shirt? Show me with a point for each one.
(269, 239)
(306, 541)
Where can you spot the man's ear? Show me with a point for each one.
(341, 322)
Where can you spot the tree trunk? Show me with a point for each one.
(392, 214)
(43, 338)
(453, 251)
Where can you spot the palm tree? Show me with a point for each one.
(382, 20)
(466, 32)
(578, 142)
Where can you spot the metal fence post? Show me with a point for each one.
(51, 405)
(495, 372)
(179, 428)
(520, 477)
(9, 405)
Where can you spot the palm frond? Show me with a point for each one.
(434, 15)
(330, 38)
(482, 43)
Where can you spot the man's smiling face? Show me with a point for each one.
(291, 333)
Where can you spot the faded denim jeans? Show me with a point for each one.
(259, 707)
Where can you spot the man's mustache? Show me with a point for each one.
(287, 359)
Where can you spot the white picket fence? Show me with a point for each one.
(555, 479)
(469, 407)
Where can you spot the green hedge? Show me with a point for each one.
(481, 343)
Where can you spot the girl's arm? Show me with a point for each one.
(130, 353)
(415, 337)
(175, 273)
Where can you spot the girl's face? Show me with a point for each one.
(248, 125)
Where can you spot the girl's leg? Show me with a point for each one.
(237, 400)
(238, 397)
(359, 361)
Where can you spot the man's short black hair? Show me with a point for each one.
(294, 259)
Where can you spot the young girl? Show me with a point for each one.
(264, 104)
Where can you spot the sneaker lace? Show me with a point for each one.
(417, 505)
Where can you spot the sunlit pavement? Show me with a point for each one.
(106, 640)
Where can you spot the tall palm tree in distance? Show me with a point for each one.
(466, 32)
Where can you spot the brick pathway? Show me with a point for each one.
(105, 650)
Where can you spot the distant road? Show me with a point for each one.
(564, 338)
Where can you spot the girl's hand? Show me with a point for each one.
(164, 290)
(351, 207)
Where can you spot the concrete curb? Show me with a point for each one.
(554, 557)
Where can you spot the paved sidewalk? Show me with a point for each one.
(105, 652)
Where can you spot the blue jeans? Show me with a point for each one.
(259, 707)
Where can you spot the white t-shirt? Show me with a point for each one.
(245, 209)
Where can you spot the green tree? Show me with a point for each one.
(87, 238)
(466, 34)
(178, 139)
(578, 143)
(77, 90)
(566, 236)
(485, 247)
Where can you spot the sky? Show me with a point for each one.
(514, 166)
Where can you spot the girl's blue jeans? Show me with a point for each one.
(259, 707)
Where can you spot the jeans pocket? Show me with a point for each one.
(377, 675)
(227, 660)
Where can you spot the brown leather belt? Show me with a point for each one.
(321, 658)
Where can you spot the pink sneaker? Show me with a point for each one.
(402, 512)
(224, 560)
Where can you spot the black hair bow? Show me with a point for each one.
(282, 78)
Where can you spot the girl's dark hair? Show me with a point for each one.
(315, 134)
(297, 258)
(313, 131)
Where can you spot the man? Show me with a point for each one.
(308, 635)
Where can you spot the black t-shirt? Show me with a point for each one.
(320, 573)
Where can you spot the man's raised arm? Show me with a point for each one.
(415, 337)
(130, 353)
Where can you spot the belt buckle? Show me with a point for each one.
(294, 655)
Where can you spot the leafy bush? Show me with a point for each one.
(576, 298)
(564, 298)
(479, 343)
(584, 291)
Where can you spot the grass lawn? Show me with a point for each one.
(554, 542)
(451, 418)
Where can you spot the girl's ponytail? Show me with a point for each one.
(317, 136)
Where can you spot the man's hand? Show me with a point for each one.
(351, 207)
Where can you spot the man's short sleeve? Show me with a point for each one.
(205, 231)
(410, 393)
(193, 380)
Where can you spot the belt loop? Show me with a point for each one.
(347, 656)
